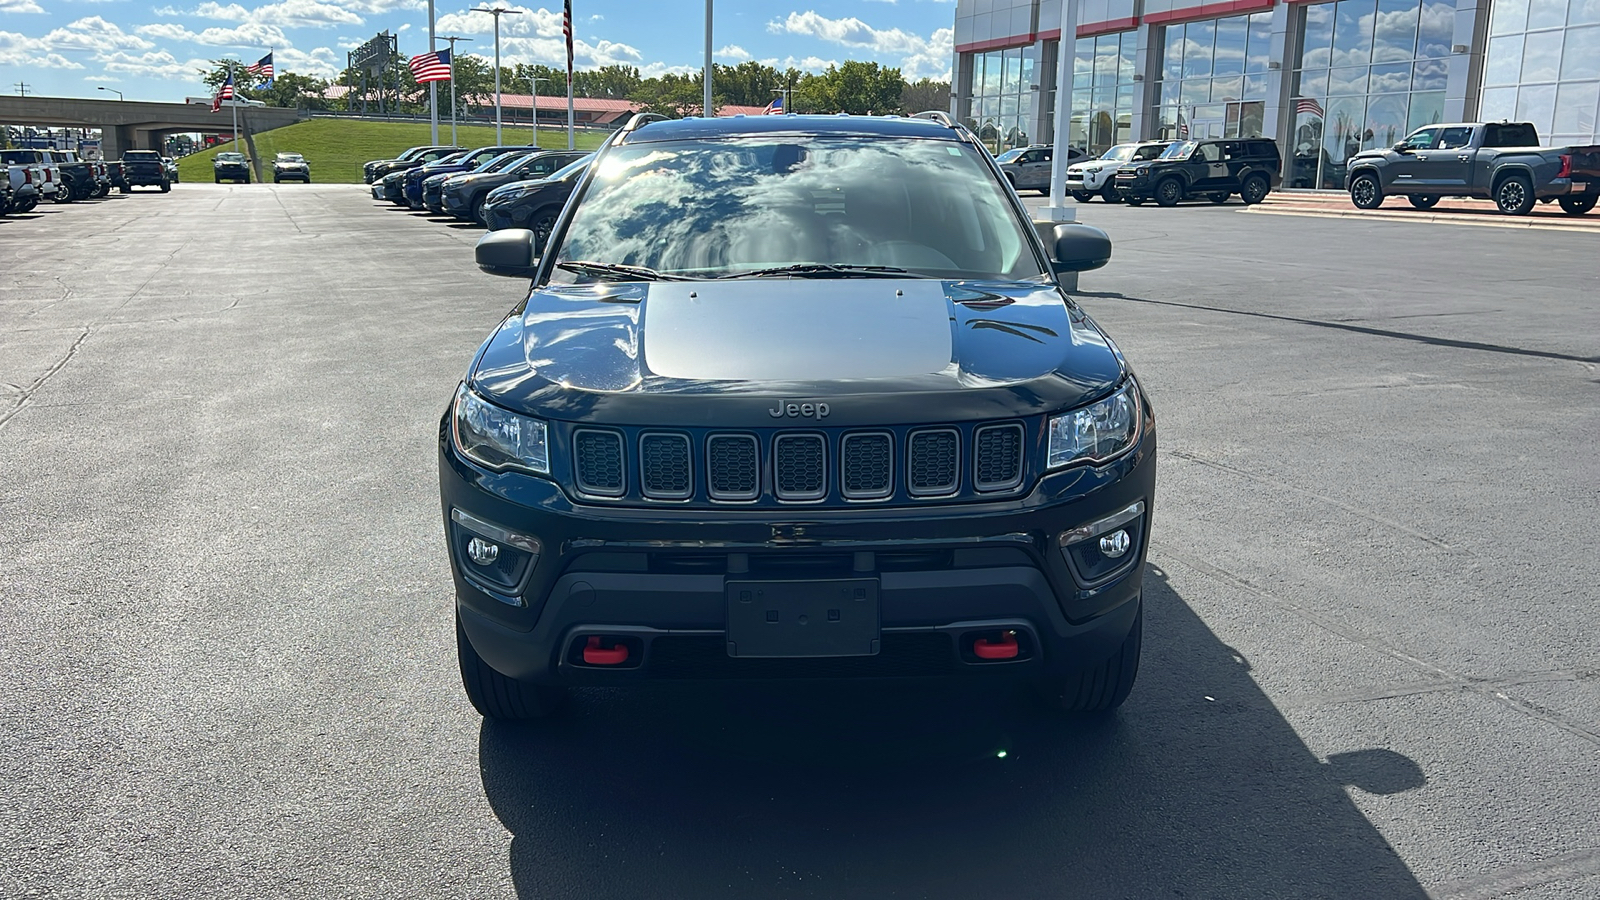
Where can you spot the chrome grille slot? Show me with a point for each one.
(997, 457)
(866, 466)
(733, 470)
(933, 463)
(665, 472)
(597, 462)
(799, 466)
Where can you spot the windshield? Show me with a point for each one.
(141, 155)
(572, 169)
(726, 207)
(291, 157)
(230, 157)
(500, 162)
(1120, 153)
(1179, 150)
(1010, 155)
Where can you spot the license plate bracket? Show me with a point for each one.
(791, 619)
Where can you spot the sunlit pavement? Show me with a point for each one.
(225, 611)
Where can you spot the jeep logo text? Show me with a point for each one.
(799, 410)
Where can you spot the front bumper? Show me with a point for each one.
(1134, 187)
(658, 577)
(292, 175)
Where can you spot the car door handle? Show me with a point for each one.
(1422, 157)
(1465, 157)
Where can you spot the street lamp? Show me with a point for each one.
(112, 90)
(497, 12)
(534, 82)
(452, 39)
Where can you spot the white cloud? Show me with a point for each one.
(734, 52)
(20, 6)
(21, 50)
(155, 64)
(233, 12)
(806, 64)
(94, 33)
(534, 36)
(920, 57)
(249, 34)
(658, 69)
(322, 62)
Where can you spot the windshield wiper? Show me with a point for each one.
(824, 269)
(600, 269)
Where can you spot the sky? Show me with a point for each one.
(152, 50)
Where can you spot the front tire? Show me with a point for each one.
(1577, 206)
(1219, 197)
(1422, 201)
(1103, 687)
(494, 695)
(1109, 194)
(1515, 196)
(1365, 192)
(1082, 196)
(1254, 190)
(543, 224)
(1169, 192)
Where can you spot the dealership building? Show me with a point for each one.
(1324, 79)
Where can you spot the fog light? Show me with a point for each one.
(1115, 544)
(485, 553)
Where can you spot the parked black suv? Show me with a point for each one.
(1214, 170)
(796, 396)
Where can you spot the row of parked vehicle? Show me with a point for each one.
(34, 176)
(1499, 161)
(1167, 172)
(515, 186)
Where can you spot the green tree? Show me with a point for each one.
(921, 96)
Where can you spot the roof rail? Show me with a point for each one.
(639, 120)
(937, 115)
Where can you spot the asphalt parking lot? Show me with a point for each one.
(1370, 667)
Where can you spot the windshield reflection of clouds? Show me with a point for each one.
(736, 205)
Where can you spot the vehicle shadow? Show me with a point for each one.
(1197, 788)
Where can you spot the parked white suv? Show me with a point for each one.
(1096, 176)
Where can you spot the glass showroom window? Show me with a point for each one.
(1543, 66)
(1104, 92)
(1214, 78)
(1000, 97)
(1370, 72)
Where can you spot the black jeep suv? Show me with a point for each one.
(796, 396)
(1214, 170)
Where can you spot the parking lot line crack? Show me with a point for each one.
(1507, 880)
(1357, 329)
(1444, 678)
(160, 267)
(1322, 498)
(30, 390)
(1396, 691)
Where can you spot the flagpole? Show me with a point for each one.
(433, 86)
(452, 39)
(233, 103)
(569, 28)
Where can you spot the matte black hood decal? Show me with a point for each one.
(936, 351)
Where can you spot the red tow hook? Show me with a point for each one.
(1005, 648)
(596, 655)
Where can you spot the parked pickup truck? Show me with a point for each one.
(1501, 161)
(35, 167)
(144, 168)
(80, 177)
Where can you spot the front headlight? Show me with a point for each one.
(498, 438)
(1098, 432)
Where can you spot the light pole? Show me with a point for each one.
(433, 86)
(1066, 51)
(705, 107)
(534, 83)
(452, 39)
(497, 12)
(112, 90)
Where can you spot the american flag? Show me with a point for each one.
(566, 29)
(223, 93)
(1306, 104)
(263, 67)
(431, 66)
(775, 108)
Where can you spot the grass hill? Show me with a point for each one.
(336, 148)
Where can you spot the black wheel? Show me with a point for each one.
(543, 222)
(1254, 190)
(1577, 206)
(494, 695)
(277, 180)
(1169, 192)
(167, 185)
(217, 178)
(63, 192)
(28, 205)
(1218, 197)
(1422, 201)
(1108, 192)
(1082, 196)
(475, 209)
(1103, 687)
(124, 190)
(1515, 196)
(1365, 192)
(1011, 180)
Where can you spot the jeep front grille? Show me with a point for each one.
(665, 472)
(903, 465)
(799, 466)
(597, 462)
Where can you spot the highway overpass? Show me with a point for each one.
(136, 124)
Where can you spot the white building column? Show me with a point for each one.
(1278, 120)
(1147, 72)
(1462, 88)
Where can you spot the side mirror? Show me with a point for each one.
(509, 252)
(1402, 147)
(1076, 247)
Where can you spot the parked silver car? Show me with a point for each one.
(1028, 168)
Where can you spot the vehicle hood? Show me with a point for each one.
(720, 352)
(289, 164)
(514, 192)
(473, 179)
(1145, 164)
